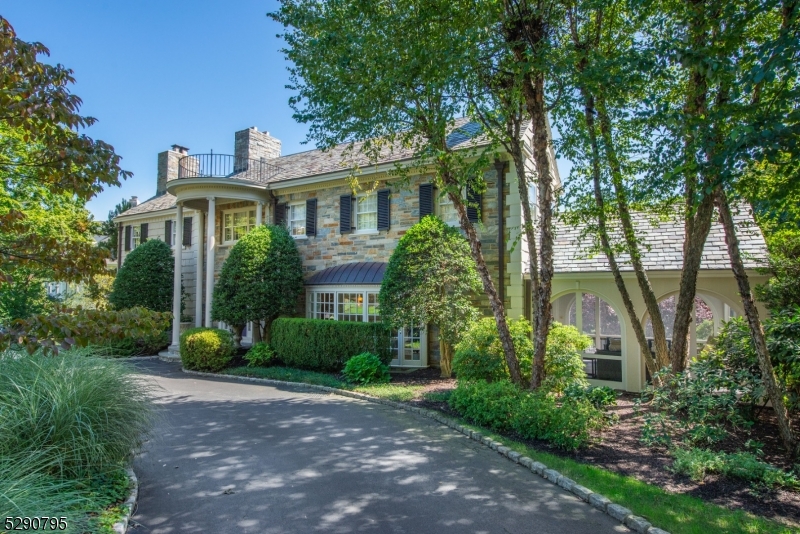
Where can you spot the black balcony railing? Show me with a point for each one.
(226, 166)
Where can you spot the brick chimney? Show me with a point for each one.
(252, 144)
(168, 167)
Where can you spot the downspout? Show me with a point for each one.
(119, 246)
(500, 168)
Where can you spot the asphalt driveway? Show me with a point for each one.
(230, 457)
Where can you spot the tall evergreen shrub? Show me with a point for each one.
(146, 278)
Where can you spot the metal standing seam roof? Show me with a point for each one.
(358, 273)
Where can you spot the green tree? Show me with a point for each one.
(40, 143)
(431, 279)
(146, 278)
(109, 228)
(389, 76)
(261, 279)
(24, 297)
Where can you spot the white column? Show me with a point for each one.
(176, 292)
(259, 209)
(210, 249)
(198, 291)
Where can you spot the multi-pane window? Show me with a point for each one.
(322, 305)
(236, 224)
(599, 321)
(345, 305)
(136, 237)
(447, 211)
(367, 212)
(297, 219)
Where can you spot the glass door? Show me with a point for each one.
(409, 347)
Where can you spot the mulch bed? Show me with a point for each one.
(621, 451)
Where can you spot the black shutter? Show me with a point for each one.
(311, 216)
(128, 238)
(168, 232)
(143, 233)
(383, 209)
(426, 196)
(345, 213)
(280, 214)
(187, 231)
(474, 207)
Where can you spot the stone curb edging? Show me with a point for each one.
(120, 527)
(618, 512)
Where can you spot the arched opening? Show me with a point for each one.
(709, 313)
(597, 318)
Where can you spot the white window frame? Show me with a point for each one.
(364, 291)
(174, 236)
(136, 234)
(291, 220)
(233, 213)
(361, 201)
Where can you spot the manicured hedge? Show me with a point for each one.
(323, 345)
(206, 349)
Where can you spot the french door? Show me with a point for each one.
(410, 347)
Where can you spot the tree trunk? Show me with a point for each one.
(754, 322)
(266, 330)
(534, 99)
(629, 231)
(445, 359)
(498, 309)
(651, 363)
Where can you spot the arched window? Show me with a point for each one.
(704, 327)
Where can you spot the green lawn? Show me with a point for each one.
(678, 514)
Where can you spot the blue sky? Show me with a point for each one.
(162, 72)
(158, 73)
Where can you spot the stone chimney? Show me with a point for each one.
(252, 144)
(134, 201)
(168, 167)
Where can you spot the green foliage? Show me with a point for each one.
(431, 279)
(260, 355)
(109, 228)
(735, 350)
(261, 279)
(146, 278)
(23, 295)
(80, 414)
(327, 345)
(600, 397)
(142, 346)
(701, 405)
(697, 463)
(289, 374)
(79, 328)
(567, 423)
(366, 368)
(782, 291)
(206, 349)
(479, 354)
(563, 363)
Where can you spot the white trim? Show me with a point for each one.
(289, 219)
(232, 213)
(361, 200)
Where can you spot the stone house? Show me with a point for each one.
(205, 202)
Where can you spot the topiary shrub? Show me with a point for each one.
(260, 355)
(366, 368)
(206, 349)
(145, 279)
(479, 355)
(261, 279)
(563, 363)
(432, 279)
(321, 345)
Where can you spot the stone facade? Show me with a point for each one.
(252, 144)
(168, 167)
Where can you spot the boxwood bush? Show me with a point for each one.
(322, 345)
(206, 349)
(145, 278)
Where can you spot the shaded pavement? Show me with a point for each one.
(229, 457)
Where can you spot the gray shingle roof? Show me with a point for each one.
(665, 239)
(162, 202)
(465, 134)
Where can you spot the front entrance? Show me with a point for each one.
(410, 347)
